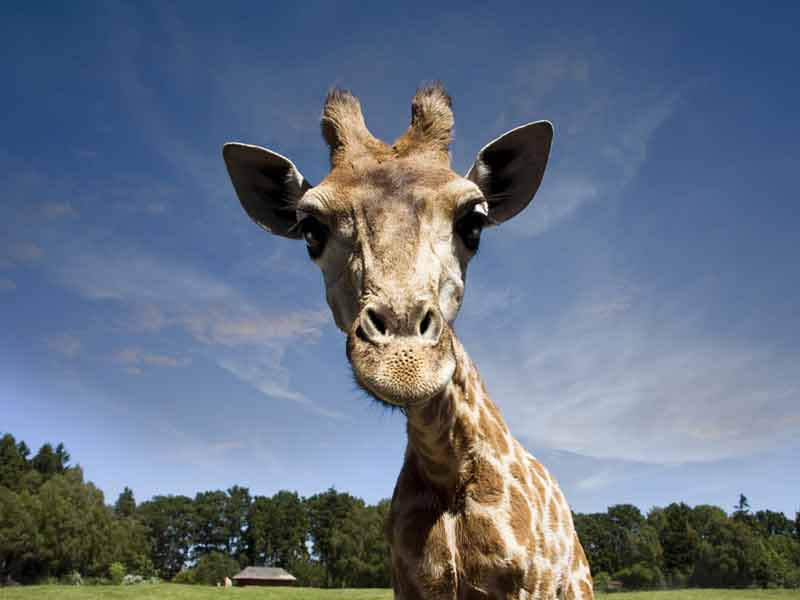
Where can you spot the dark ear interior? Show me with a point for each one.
(268, 186)
(510, 169)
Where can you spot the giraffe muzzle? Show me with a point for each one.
(401, 358)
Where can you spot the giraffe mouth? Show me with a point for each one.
(402, 372)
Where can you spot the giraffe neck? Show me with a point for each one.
(447, 433)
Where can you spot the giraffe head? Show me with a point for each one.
(393, 227)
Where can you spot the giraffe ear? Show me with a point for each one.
(268, 186)
(509, 169)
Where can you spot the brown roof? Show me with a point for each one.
(265, 573)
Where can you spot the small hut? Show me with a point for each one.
(264, 576)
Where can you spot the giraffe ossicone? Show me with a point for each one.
(393, 227)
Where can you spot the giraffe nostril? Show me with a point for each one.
(379, 323)
(425, 323)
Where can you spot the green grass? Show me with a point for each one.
(193, 592)
(171, 591)
(707, 595)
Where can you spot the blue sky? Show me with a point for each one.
(638, 324)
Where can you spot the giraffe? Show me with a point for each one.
(392, 228)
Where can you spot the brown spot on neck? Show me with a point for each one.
(445, 439)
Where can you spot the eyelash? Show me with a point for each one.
(469, 228)
(315, 235)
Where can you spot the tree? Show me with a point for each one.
(371, 567)
(333, 527)
(797, 524)
(278, 530)
(705, 519)
(210, 527)
(237, 506)
(741, 512)
(678, 539)
(646, 547)
(596, 532)
(169, 524)
(128, 544)
(735, 555)
(773, 523)
(20, 540)
(626, 516)
(46, 461)
(13, 462)
(126, 503)
(75, 526)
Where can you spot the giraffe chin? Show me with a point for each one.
(403, 372)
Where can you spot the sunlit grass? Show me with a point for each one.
(193, 592)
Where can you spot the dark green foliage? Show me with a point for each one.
(13, 462)
(639, 577)
(703, 546)
(126, 503)
(169, 521)
(310, 573)
(678, 539)
(185, 577)
(601, 581)
(51, 462)
(348, 539)
(237, 507)
(58, 524)
(214, 567)
(210, 529)
(774, 523)
(278, 530)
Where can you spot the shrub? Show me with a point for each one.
(792, 578)
(116, 572)
(185, 576)
(133, 580)
(73, 578)
(639, 577)
(601, 581)
(309, 573)
(213, 568)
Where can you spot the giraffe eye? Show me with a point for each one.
(469, 229)
(315, 234)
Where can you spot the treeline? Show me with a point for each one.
(56, 526)
(680, 546)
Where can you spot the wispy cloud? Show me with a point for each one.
(133, 359)
(66, 345)
(55, 210)
(234, 330)
(263, 369)
(15, 253)
(231, 330)
(613, 378)
(603, 133)
(557, 201)
(596, 480)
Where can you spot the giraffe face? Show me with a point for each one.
(392, 228)
(393, 239)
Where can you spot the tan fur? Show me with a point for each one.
(431, 124)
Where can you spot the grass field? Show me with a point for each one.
(187, 592)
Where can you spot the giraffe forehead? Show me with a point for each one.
(377, 189)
